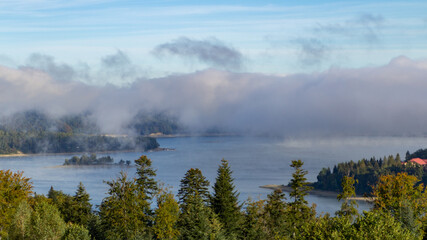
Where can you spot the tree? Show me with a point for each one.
(63, 202)
(82, 208)
(275, 214)
(75, 231)
(122, 216)
(166, 216)
(20, 224)
(146, 185)
(197, 220)
(299, 212)
(348, 207)
(14, 188)
(46, 222)
(145, 177)
(254, 226)
(224, 201)
(402, 198)
(193, 184)
(380, 225)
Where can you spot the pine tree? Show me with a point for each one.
(82, 209)
(275, 214)
(348, 207)
(145, 177)
(254, 226)
(122, 216)
(193, 184)
(299, 211)
(166, 216)
(147, 186)
(198, 222)
(224, 201)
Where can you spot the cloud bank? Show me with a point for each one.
(384, 100)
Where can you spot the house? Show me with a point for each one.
(419, 161)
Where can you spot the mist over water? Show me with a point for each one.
(255, 161)
(384, 100)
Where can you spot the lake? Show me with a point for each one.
(255, 161)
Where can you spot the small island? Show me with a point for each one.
(93, 160)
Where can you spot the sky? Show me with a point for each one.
(304, 67)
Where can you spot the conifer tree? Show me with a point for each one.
(299, 211)
(45, 222)
(275, 214)
(14, 188)
(197, 220)
(254, 226)
(166, 216)
(121, 212)
(348, 207)
(146, 185)
(145, 177)
(193, 184)
(224, 201)
(82, 209)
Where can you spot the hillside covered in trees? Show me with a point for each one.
(36, 132)
(127, 211)
(367, 172)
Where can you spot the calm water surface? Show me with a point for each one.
(254, 161)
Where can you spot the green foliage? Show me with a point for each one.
(121, 212)
(14, 188)
(198, 221)
(166, 216)
(381, 225)
(74, 232)
(81, 207)
(89, 160)
(420, 153)
(20, 224)
(299, 211)
(402, 198)
(275, 214)
(145, 177)
(193, 184)
(45, 222)
(348, 207)
(255, 226)
(365, 172)
(224, 201)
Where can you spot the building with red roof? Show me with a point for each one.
(419, 161)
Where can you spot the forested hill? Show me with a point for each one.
(36, 132)
(366, 172)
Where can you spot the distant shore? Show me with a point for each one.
(20, 154)
(321, 193)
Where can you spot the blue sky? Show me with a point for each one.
(272, 37)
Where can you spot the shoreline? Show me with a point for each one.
(80, 153)
(320, 193)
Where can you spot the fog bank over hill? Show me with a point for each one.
(383, 100)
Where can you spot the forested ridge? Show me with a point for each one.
(36, 132)
(200, 213)
(367, 172)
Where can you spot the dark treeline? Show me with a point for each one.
(89, 160)
(36, 132)
(367, 172)
(197, 213)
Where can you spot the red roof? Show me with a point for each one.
(419, 161)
